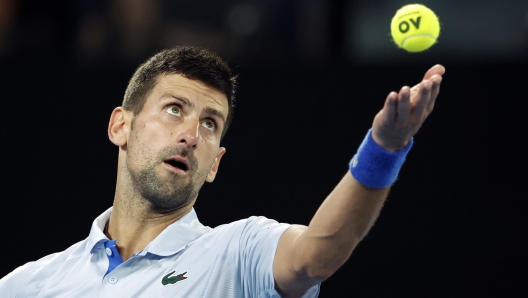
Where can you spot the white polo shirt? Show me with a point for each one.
(187, 259)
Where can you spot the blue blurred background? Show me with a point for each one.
(312, 74)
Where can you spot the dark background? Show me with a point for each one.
(310, 86)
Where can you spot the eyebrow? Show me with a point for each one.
(184, 100)
(215, 112)
(208, 110)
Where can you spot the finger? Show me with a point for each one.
(435, 70)
(404, 104)
(437, 80)
(391, 106)
(414, 91)
(423, 97)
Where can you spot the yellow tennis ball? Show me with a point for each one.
(415, 28)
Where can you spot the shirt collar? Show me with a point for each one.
(97, 236)
(170, 241)
(177, 236)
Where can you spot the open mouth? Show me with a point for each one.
(177, 164)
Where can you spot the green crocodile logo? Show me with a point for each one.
(170, 280)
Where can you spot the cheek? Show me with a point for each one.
(142, 145)
(135, 149)
(153, 133)
(209, 158)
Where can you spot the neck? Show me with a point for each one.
(134, 225)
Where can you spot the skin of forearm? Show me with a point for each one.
(340, 223)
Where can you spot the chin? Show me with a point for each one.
(173, 200)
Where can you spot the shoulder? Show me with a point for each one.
(253, 222)
(240, 233)
(247, 237)
(251, 226)
(35, 272)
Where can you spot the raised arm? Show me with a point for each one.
(308, 255)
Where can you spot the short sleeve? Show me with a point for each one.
(16, 281)
(258, 244)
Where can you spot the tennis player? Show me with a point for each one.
(177, 107)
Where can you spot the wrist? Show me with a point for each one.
(375, 167)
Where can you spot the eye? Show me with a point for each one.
(174, 110)
(209, 124)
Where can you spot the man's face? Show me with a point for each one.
(174, 142)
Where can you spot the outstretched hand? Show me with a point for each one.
(404, 112)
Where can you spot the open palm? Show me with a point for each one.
(404, 112)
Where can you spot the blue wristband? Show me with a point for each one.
(376, 167)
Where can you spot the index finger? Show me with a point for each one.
(435, 70)
(438, 69)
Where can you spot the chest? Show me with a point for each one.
(196, 272)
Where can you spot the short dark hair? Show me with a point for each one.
(191, 62)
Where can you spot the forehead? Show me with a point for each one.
(194, 90)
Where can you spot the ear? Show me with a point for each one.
(119, 126)
(214, 168)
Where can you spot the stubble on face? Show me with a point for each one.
(167, 193)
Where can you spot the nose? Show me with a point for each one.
(189, 133)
